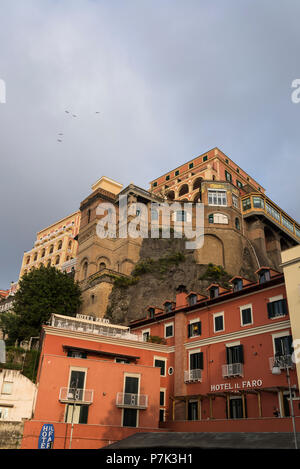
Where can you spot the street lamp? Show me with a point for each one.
(284, 362)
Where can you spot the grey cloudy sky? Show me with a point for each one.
(171, 79)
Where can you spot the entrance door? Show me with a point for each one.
(236, 408)
(193, 410)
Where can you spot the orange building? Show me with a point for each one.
(202, 363)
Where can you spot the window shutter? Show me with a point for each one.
(270, 310)
(240, 354)
(190, 330)
(201, 360)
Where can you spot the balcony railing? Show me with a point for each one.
(192, 376)
(232, 369)
(132, 401)
(71, 395)
(282, 362)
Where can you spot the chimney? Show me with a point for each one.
(181, 294)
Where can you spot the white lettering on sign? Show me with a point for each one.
(91, 318)
(253, 383)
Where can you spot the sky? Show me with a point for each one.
(153, 83)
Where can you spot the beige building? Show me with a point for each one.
(54, 246)
(17, 396)
(291, 270)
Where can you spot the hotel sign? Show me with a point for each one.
(92, 318)
(248, 384)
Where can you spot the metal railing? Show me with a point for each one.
(282, 362)
(232, 369)
(132, 401)
(71, 395)
(191, 376)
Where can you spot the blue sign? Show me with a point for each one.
(46, 438)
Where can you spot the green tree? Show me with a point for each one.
(41, 292)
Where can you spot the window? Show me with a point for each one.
(154, 184)
(211, 218)
(89, 216)
(77, 413)
(205, 158)
(272, 211)
(51, 249)
(177, 173)
(235, 201)
(160, 363)
(35, 256)
(193, 410)
(237, 224)
(3, 413)
(167, 178)
(76, 354)
(7, 387)
(264, 276)
(246, 315)
(59, 246)
(191, 165)
(161, 415)
(196, 361)
(228, 176)
(234, 354)
(154, 214)
(258, 202)
(169, 330)
(239, 184)
(146, 335)
(151, 313)
(194, 328)
(277, 308)
(192, 299)
(168, 307)
(162, 398)
(216, 197)
(283, 346)
(287, 224)
(181, 215)
(238, 284)
(57, 260)
(218, 322)
(213, 292)
(246, 203)
(122, 360)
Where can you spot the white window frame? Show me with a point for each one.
(161, 359)
(164, 391)
(214, 317)
(192, 352)
(217, 190)
(168, 324)
(275, 298)
(145, 331)
(131, 375)
(249, 306)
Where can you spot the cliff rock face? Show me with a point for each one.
(164, 265)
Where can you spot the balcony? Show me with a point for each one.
(72, 395)
(232, 370)
(259, 204)
(282, 362)
(132, 401)
(193, 376)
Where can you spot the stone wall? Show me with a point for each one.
(11, 434)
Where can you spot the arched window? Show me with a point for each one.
(35, 256)
(43, 253)
(57, 260)
(27, 260)
(59, 246)
(183, 190)
(197, 183)
(102, 266)
(84, 270)
(171, 195)
(51, 249)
